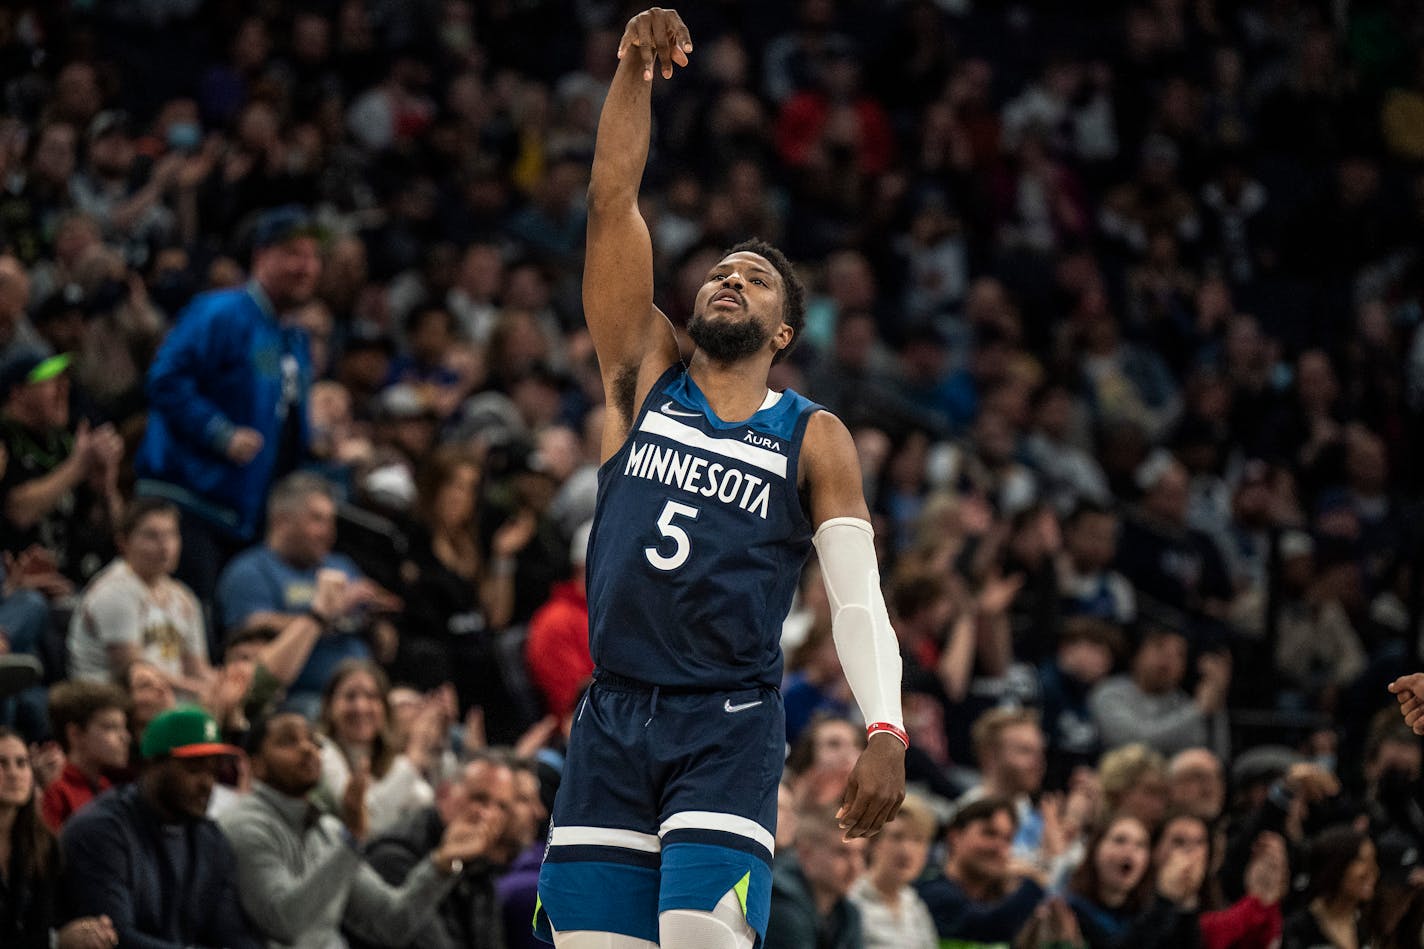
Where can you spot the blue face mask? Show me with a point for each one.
(184, 136)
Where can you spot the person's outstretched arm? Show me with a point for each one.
(860, 625)
(633, 339)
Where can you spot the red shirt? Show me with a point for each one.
(557, 650)
(69, 792)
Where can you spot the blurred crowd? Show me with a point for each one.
(300, 423)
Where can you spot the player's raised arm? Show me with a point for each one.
(618, 267)
(860, 624)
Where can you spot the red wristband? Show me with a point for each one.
(895, 730)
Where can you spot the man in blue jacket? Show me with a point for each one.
(228, 399)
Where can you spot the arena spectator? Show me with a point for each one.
(985, 896)
(557, 648)
(60, 485)
(224, 428)
(1087, 651)
(525, 835)
(358, 745)
(1121, 900)
(16, 332)
(1343, 876)
(270, 584)
(810, 889)
(892, 915)
(29, 899)
(1086, 580)
(1134, 782)
(134, 609)
(459, 595)
(145, 855)
(1009, 746)
(91, 723)
(1197, 783)
(1166, 560)
(482, 796)
(821, 760)
(1149, 705)
(301, 874)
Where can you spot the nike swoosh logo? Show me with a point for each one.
(727, 706)
(669, 410)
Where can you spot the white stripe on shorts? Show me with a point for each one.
(604, 837)
(727, 823)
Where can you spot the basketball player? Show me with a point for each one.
(712, 492)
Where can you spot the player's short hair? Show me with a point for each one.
(793, 292)
(78, 702)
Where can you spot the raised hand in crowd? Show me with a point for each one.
(1180, 877)
(1215, 681)
(352, 810)
(1268, 873)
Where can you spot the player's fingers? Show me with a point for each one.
(662, 43)
(895, 808)
(876, 816)
(854, 811)
(647, 48)
(873, 807)
(678, 39)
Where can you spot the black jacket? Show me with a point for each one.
(116, 863)
(469, 918)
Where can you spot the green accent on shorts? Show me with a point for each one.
(741, 890)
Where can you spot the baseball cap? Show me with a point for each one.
(184, 732)
(30, 366)
(279, 225)
(108, 122)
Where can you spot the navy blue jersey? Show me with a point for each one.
(698, 541)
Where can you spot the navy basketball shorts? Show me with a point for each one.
(667, 801)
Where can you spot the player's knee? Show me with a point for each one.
(588, 939)
(725, 927)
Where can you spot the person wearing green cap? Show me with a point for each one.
(60, 487)
(147, 856)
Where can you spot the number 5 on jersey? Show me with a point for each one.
(682, 546)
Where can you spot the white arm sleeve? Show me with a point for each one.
(869, 652)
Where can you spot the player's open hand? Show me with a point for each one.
(656, 33)
(875, 789)
(1410, 692)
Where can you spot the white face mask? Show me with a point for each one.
(391, 485)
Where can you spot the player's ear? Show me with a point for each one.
(783, 336)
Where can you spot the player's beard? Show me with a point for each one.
(727, 341)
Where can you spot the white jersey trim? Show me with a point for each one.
(604, 837)
(727, 823)
(655, 423)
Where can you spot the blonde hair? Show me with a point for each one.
(918, 816)
(986, 731)
(1122, 768)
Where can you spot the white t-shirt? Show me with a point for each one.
(164, 621)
